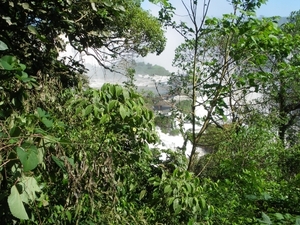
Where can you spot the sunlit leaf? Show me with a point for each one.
(167, 189)
(279, 216)
(31, 187)
(3, 46)
(8, 20)
(94, 6)
(266, 219)
(176, 206)
(32, 30)
(15, 204)
(26, 6)
(142, 194)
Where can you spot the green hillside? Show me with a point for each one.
(147, 68)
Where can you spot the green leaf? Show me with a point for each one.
(93, 6)
(29, 158)
(266, 219)
(9, 59)
(190, 201)
(104, 118)
(266, 196)
(88, 110)
(26, 6)
(203, 203)
(30, 188)
(167, 189)
(164, 2)
(170, 201)
(3, 46)
(5, 65)
(176, 206)
(48, 123)
(23, 67)
(119, 8)
(32, 30)
(50, 139)
(15, 204)
(125, 94)
(112, 104)
(123, 112)
(142, 194)
(59, 162)
(111, 89)
(118, 91)
(279, 216)
(69, 216)
(40, 155)
(8, 20)
(41, 112)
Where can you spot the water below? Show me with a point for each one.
(168, 141)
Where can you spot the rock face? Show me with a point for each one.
(163, 106)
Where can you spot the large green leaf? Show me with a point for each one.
(31, 187)
(28, 157)
(3, 46)
(15, 204)
(123, 112)
(265, 219)
(5, 65)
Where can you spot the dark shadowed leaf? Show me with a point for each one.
(28, 157)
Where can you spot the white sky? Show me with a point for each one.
(217, 8)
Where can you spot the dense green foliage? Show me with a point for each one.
(70, 154)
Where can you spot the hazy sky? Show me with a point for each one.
(217, 8)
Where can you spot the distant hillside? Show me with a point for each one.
(140, 68)
(282, 20)
(147, 68)
(279, 21)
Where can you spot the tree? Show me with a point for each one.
(281, 91)
(104, 29)
(214, 62)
